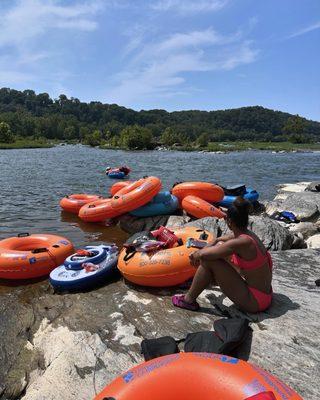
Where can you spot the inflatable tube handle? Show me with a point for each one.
(204, 235)
(23, 234)
(39, 250)
(74, 268)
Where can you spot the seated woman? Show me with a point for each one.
(238, 263)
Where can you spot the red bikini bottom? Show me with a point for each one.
(264, 300)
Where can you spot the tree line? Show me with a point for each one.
(25, 114)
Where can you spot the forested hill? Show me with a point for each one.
(28, 114)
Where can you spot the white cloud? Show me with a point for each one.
(24, 40)
(309, 28)
(188, 6)
(193, 39)
(27, 19)
(161, 68)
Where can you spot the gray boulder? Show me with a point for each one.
(70, 346)
(304, 205)
(209, 224)
(131, 224)
(273, 235)
(314, 242)
(313, 187)
(176, 221)
(306, 229)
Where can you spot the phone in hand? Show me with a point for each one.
(199, 244)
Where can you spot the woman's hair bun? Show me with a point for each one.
(243, 205)
(239, 212)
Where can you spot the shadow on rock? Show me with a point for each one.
(281, 304)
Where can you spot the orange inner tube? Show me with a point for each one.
(205, 190)
(74, 202)
(168, 267)
(200, 208)
(193, 376)
(130, 197)
(32, 256)
(118, 185)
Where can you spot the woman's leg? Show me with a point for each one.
(201, 281)
(230, 282)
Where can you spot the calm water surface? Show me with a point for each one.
(33, 181)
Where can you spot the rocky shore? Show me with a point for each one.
(70, 346)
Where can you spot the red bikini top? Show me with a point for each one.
(256, 262)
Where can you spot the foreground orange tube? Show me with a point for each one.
(127, 199)
(31, 256)
(205, 190)
(119, 185)
(200, 208)
(168, 267)
(195, 376)
(74, 202)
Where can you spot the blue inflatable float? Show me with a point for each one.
(250, 194)
(116, 175)
(162, 204)
(80, 272)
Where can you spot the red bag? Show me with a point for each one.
(164, 234)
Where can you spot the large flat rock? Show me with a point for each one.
(69, 346)
(304, 205)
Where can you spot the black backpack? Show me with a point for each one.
(237, 190)
(227, 336)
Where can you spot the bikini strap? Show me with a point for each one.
(259, 252)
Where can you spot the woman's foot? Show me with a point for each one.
(178, 300)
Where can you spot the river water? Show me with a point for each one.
(33, 181)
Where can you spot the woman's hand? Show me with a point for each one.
(195, 258)
(213, 243)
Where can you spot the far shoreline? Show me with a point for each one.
(217, 147)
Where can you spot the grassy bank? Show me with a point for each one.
(270, 146)
(26, 144)
(237, 146)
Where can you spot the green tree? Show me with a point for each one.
(169, 137)
(70, 132)
(83, 132)
(203, 139)
(136, 138)
(296, 138)
(93, 139)
(294, 126)
(6, 136)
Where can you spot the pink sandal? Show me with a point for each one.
(178, 301)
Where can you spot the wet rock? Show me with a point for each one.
(131, 224)
(70, 346)
(314, 242)
(305, 205)
(273, 235)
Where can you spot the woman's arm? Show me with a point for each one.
(215, 252)
(224, 238)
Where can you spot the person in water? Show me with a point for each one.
(238, 263)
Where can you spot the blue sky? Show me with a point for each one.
(170, 54)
